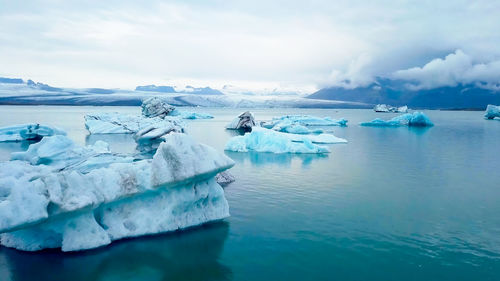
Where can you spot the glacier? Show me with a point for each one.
(61, 195)
(492, 111)
(388, 108)
(28, 132)
(245, 121)
(416, 119)
(266, 140)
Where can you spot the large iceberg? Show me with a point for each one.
(266, 140)
(492, 111)
(416, 119)
(388, 108)
(60, 195)
(28, 132)
(302, 120)
(245, 121)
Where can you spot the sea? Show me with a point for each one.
(391, 204)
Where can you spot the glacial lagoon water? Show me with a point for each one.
(392, 204)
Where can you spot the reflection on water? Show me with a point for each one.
(189, 255)
(282, 159)
(234, 133)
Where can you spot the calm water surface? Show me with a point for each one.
(392, 204)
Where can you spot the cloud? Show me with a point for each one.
(359, 73)
(456, 68)
(294, 44)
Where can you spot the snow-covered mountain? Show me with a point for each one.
(397, 93)
(17, 92)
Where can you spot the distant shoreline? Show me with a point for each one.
(139, 102)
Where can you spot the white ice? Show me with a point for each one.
(87, 200)
(28, 132)
(116, 123)
(388, 108)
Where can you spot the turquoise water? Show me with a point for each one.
(392, 204)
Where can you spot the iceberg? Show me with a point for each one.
(156, 107)
(245, 121)
(492, 111)
(304, 120)
(28, 132)
(416, 119)
(159, 107)
(60, 195)
(266, 140)
(388, 108)
(116, 123)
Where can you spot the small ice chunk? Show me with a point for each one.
(492, 111)
(224, 178)
(28, 132)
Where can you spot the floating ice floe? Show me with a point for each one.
(388, 108)
(492, 111)
(302, 120)
(28, 132)
(266, 140)
(116, 123)
(245, 121)
(60, 195)
(416, 119)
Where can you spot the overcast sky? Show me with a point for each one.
(288, 45)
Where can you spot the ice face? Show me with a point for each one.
(265, 140)
(28, 132)
(492, 111)
(115, 123)
(85, 197)
(149, 213)
(416, 119)
(245, 121)
(303, 120)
